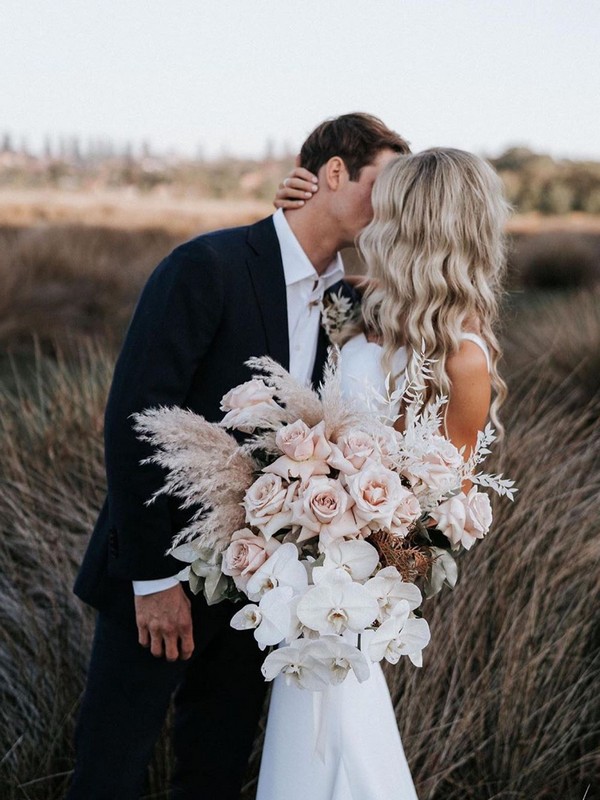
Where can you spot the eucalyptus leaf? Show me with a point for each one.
(196, 583)
(215, 587)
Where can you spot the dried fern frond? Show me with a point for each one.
(411, 562)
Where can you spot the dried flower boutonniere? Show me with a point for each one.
(336, 312)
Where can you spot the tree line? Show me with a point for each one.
(533, 181)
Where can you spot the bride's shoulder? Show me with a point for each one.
(471, 362)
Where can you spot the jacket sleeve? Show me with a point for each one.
(173, 326)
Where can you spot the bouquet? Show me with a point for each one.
(325, 522)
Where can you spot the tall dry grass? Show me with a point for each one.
(506, 706)
(66, 281)
(61, 283)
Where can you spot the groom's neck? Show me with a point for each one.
(317, 235)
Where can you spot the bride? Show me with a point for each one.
(434, 253)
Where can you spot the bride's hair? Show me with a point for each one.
(435, 254)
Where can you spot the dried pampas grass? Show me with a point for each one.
(206, 468)
(300, 402)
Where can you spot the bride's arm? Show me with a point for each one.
(470, 396)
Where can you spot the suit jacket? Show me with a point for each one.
(208, 307)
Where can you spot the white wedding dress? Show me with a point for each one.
(359, 754)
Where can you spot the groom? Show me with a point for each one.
(212, 304)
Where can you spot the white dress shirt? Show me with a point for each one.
(304, 289)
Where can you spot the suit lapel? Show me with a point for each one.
(266, 273)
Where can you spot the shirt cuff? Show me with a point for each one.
(160, 584)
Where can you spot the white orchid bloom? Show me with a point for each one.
(247, 618)
(357, 557)
(298, 666)
(281, 569)
(295, 629)
(337, 604)
(270, 620)
(339, 657)
(388, 588)
(400, 635)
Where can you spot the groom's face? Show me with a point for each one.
(354, 209)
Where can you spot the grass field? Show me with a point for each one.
(506, 706)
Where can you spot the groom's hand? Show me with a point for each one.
(164, 623)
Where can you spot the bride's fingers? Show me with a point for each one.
(287, 203)
(299, 184)
(294, 191)
(291, 192)
(282, 203)
(303, 174)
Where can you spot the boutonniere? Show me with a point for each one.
(336, 312)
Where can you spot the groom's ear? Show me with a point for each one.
(335, 170)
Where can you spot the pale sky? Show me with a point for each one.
(230, 74)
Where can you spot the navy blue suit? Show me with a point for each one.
(207, 308)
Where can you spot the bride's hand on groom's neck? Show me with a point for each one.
(296, 189)
(164, 623)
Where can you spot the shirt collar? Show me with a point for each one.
(296, 264)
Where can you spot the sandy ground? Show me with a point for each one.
(125, 208)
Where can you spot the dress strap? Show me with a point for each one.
(473, 337)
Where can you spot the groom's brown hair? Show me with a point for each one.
(355, 138)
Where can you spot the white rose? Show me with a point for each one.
(249, 406)
(377, 492)
(247, 394)
(323, 509)
(245, 554)
(450, 517)
(407, 512)
(464, 518)
(447, 452)
(267, 504)
(351, 451)
(296, 441)
(305, 451)
(432, 475)
(479, 514)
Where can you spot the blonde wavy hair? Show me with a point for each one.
(435, 256)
